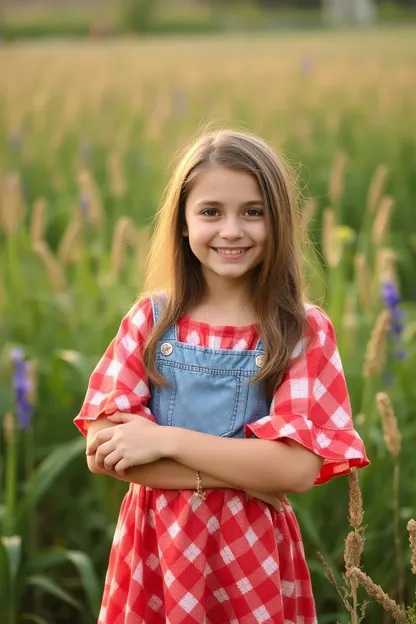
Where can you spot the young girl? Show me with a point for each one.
(221, 389)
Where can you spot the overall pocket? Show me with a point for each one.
(201, 400)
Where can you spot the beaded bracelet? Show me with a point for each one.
(199, 491)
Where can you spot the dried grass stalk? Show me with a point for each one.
(356, 513)
(376, 592)
(124, 235)
(376, 348)
(364, 281)
(52, 266)
(411, 527)
(382, 220)
(12, 211)
(386, 260)
(68, 243)
(337, 177)
(308, 213)
(354, 546)
(142, 247)
(376, 187)
(38, 220)
(90, 191)
(330, 244)
(391, 433)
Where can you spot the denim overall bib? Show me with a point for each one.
(209, 390)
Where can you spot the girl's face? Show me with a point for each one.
(225, 223)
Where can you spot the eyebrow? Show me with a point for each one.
(218, 204)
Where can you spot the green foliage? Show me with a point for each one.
(137, 15)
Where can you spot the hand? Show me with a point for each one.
(132, 442)
(275, 500)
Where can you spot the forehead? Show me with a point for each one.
(224, 185)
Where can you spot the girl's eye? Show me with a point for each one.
(255, 212)
(210, 212)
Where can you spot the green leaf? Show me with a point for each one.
(89, 580)
(47, 472)
(4, 575)
(13, 548)
(49, 586)
(83, 564)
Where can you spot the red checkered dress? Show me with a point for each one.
(229, 559)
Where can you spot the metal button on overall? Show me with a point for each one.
(166, 348)
(259, 360)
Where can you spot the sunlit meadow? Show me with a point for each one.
(87, 136)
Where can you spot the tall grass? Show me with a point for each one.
(88, 133)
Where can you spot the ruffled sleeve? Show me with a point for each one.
(312, 406)
(119, 381)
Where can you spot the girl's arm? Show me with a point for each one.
(167, 474)
(247, 464)
(164, 474)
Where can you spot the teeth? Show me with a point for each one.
(231, 252)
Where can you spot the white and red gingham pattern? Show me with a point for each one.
(228, 559)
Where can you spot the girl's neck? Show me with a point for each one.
(225, 304)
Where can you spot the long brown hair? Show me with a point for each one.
(277, 288)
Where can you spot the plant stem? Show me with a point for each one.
(397, 538)
(11, 478)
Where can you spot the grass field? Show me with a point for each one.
(87, 135)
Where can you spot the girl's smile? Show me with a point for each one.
(225, 223)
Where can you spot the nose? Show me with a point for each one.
(231, 229)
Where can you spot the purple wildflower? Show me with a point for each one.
(23, 388)
(390, 295)
(392, 301)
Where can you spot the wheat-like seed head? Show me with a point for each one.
(376, 592)
(391, 433)
(337, 177)
(375, 352)
(124, 235)
(52, 266)
(376, 187)
(37, 222)
(386, 261)
(411, 527)
(354, 546)
(355, 500)
(364, 282)
(90, 190)
(68, 243)
(308, 213)
(382, 220)
(331, 246)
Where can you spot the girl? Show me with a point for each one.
(220, 389)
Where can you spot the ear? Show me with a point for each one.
(185, 231)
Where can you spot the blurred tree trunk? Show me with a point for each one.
(344, 12)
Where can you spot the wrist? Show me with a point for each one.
(171, 442)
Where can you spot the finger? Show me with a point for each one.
(102, 436)
(121, 417)
(122, 466)
(102, 452)
(112, 459)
